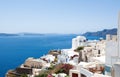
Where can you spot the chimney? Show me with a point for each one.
(108, 37)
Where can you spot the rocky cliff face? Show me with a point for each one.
(102, 33)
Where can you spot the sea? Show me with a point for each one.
(14, 50)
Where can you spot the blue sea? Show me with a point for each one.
(15, 50)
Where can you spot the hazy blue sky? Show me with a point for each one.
(57, 16)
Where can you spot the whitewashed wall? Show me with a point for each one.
(111, 50)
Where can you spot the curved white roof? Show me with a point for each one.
(81, 37)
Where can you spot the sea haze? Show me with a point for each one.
(14, 50)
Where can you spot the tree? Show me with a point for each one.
(24, 75)
(80, 53)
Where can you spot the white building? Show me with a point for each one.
(78, 41)
(113, 53)
(65, 56)
(48, 58)
(111, 49)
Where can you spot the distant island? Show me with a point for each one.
(21, 34)
(97, 34)
(6, 34)
(102, 33)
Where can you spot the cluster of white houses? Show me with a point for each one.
(100, 58)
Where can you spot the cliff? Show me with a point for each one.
(102, 33)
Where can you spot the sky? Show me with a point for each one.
(58, 16)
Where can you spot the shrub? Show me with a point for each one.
(24, 75)
(64, 68)
(42, 75)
